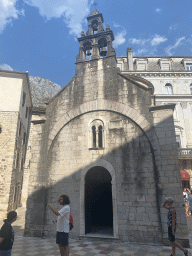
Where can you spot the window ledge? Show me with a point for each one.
(96, 148)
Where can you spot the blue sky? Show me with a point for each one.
(39, 36)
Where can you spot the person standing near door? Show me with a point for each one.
(62, 237)
(7, 234)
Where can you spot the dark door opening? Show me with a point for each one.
(98, 202)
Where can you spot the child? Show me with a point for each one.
(172, 225)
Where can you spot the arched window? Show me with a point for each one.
(96, 138)
(100, 136)
(168, 89)
(191, 88)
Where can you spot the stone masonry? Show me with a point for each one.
(137, 148)
(15, 114)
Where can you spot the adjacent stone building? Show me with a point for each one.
(15, 115)
(172, 81)
(42, 90)
(106, 143)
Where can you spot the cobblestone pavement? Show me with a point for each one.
(47, 247)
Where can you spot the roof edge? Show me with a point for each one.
(65, 87)
(139, 80)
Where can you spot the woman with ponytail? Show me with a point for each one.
(7, 234)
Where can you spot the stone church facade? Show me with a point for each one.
(106, 143)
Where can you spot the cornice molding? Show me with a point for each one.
(173, 96)
(162, 107)
(167, 74)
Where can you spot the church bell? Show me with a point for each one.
(103, 52)
(95, 27)
(88, 53)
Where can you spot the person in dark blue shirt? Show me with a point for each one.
(172, 223)
(7, 234)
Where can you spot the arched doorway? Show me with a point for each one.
(98, 201)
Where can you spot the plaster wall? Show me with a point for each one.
(10, 93)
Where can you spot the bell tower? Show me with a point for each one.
(97, 43)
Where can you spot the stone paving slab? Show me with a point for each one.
(31, 246)
(47, 247)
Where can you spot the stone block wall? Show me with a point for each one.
(8, 122)
(165, 149)
(136, 138)
(98, 80)
(127, 149)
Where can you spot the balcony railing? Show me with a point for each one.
(185, 153)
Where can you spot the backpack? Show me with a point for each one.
(71, 221)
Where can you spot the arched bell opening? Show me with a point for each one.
(87, 50)
(94, 25)
(98, 202)
(102, 47)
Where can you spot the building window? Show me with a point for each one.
(17, 161)
(189, 66)
(24, 97)
(26, 112)
(191, 88)
(96, 137)
(178, 141)
(24, 138)
(165, 64)
(100, 136)
(15, 195)
(141, 64)
(168, 89)
(22, 164)
(20, 128)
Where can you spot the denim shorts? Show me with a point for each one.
(5, 253)
(62, 238)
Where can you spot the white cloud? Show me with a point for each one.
(158, 10)
(147, 45)
(5, 67)
(116, 25)
(154, 40)
(173, 27)
(74, 12)
(142, 51)
(170, 48)
(8, 12)
(158, 40)
(119, 38)
(138, 41)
